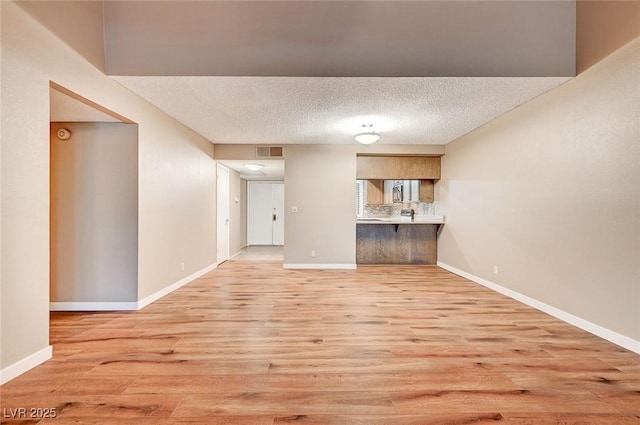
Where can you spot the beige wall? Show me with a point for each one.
(549, 192)
(602, 27)
(80, 24)
(321, 182)
(176, 181)
(94, 213)
(245, 152)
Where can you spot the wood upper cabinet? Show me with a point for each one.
(426, 191)
(398, 167)
(375, 192)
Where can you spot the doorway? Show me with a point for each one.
(265, 213)
(93, 206)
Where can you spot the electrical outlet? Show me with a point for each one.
(313, 253)
(495, 269)
(182, 266)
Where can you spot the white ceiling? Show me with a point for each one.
(273, 169)
(314, 110)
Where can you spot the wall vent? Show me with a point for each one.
(268, 151)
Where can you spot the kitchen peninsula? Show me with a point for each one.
(396, 222)
(397, 241)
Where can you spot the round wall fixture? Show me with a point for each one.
(63, 134)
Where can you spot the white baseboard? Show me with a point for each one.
(320, 266)
(165, 291)
(609, 335)
(128, 306)
(29, 362)
(91, 306)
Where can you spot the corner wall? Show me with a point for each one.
(176, 205)
(549, 193)
(321, 182)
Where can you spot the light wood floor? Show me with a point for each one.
(251, 343)
(260, 253)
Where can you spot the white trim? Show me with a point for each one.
(128, 306)
(167, 290)
(93, 306)
(28, 363)
(219, 232)
(609, 335)
(320, 266)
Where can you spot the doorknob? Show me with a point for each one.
(274, 217)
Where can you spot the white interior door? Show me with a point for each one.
(259, 214)
(222, 212)
(277, 190)
(265, 213)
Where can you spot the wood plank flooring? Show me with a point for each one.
(251, 343)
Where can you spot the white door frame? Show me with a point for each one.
(222, 214)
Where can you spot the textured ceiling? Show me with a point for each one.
(292, 110)
(341, 38)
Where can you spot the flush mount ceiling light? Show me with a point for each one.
(254, 167)
(367, 138)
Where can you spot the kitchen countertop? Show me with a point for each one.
(425, 219)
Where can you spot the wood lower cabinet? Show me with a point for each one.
(396, 243)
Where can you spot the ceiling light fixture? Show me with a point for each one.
(367, 138)
(254, 167)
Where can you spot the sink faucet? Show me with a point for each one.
(413, 214)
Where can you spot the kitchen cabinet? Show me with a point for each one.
(375, 192)
(398, 167)
(396, 243)
(426, 190)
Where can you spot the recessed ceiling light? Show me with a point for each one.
(254, 167)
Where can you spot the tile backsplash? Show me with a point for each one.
(393, 210)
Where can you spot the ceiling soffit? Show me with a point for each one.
(341, 38)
